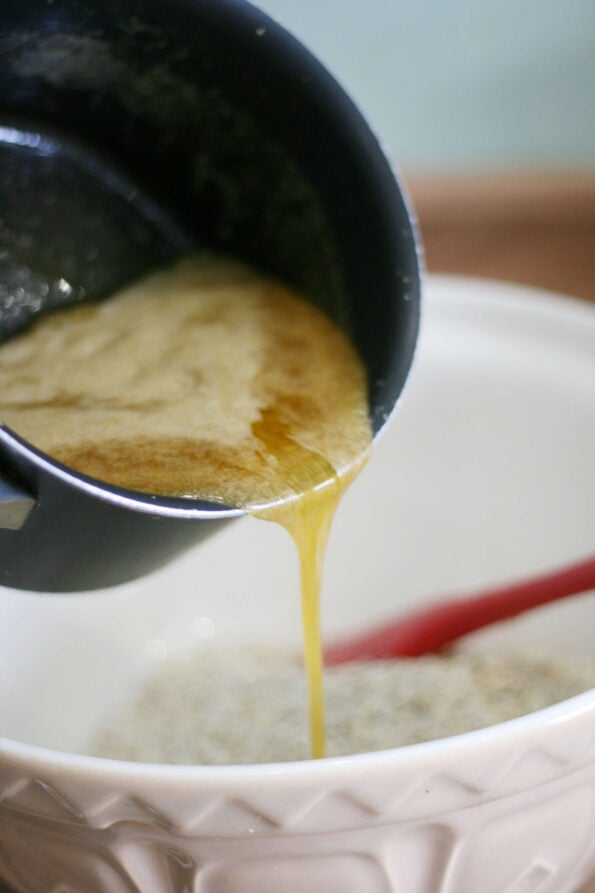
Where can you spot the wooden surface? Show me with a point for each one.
(537, 229)
(534, 228)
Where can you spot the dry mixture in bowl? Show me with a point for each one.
(249, 704)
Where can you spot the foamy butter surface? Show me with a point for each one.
(204, 380)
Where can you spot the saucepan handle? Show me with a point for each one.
(15, 505)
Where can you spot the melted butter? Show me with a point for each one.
(308, 520)
(208, 381)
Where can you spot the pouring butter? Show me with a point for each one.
(206, 380)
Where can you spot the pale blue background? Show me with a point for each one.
(451, 84)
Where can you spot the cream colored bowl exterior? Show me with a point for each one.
(507, 810)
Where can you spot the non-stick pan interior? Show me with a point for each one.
(73, 227)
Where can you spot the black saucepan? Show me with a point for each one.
(131, 133)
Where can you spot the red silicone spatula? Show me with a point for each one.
(432, 627)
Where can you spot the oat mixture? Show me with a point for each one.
(249, 704)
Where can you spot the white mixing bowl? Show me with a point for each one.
(486, 473)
